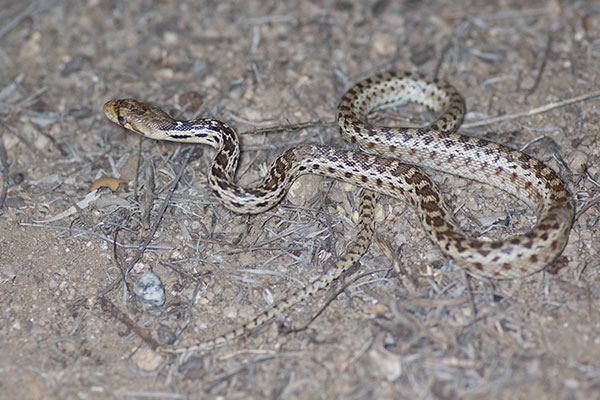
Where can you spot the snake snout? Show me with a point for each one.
(110, 110)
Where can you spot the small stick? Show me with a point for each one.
(3, 173)
(542, 68)
(289, 127)
(533, 111)
(109, 307)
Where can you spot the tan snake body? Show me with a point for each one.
(436, 146)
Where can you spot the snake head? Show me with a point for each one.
(123, 112)
(111, 110)
(137, 117)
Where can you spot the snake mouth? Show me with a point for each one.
(109, 110)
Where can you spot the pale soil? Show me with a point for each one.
(432, 332)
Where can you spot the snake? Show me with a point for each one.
(388, 162)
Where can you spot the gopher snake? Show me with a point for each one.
(436, 146)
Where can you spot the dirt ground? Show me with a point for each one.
(405, 324)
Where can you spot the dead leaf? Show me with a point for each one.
(109, 182)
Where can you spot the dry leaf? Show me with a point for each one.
(109, 182)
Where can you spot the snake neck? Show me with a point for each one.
(224, 139)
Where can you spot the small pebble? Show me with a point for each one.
(304, 189)
(8, 272)
(149, 290)
(387, 363)
(230, 312)
(147, 360)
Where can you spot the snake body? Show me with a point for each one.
(436, 146)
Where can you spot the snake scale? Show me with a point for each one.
(392, 171)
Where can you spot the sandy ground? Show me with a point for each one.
(430, 332)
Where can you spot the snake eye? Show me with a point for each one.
(121, 119)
